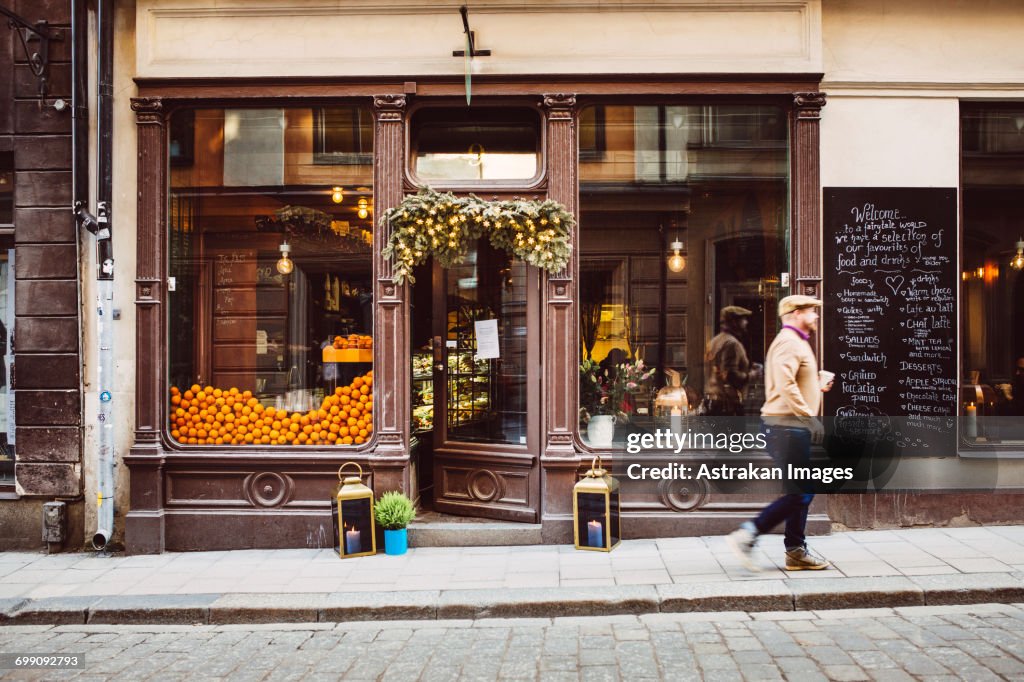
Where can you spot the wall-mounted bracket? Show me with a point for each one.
(38, 60)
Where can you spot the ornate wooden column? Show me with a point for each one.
(560, 334)
(391, 338)
(144, 527)
(559, 390)
(806, 192)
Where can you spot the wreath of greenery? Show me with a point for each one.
(442, 225)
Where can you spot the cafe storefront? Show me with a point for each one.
(273, 342)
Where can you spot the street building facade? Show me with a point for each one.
(269, 321)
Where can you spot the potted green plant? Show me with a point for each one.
(394, 511)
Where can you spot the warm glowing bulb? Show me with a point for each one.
(337, 195)
(676, 262)
(1017, 262)
(285, 265)
(364, 208)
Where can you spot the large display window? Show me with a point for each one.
(270, 314)
(992, 273)
(683, 255)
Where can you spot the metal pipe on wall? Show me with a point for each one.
(105, 469)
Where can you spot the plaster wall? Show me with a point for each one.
(895, 73)
(123, 219)
(198, 38)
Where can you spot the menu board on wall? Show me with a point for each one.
(889, 319)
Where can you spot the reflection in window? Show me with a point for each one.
(271, 316)
(651, 323)
(6, 188)
(343, 135)
(479, 144)
(992, 284)
(6, 357)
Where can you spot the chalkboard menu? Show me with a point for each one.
(889, 320)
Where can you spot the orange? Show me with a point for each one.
(359, 440)
(174, 390)
(195, 388)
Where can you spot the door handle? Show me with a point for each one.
(439, 366)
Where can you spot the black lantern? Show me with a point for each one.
(595, 510)
(355, 533)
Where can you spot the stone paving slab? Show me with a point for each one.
(161, 609)
(548, 602)
(753, 595)
(844, 593)
(971, 588)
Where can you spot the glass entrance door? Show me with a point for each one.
(486, 386)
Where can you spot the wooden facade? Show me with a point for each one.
(205, 497)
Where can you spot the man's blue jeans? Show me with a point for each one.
(787, 445)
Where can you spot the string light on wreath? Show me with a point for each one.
(442, 225)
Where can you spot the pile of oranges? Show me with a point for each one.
(213, 416)
(352, 341)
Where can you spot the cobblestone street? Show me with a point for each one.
(976, 642)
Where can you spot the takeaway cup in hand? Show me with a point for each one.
(825, 379)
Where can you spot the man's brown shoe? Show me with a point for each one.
(801, 559)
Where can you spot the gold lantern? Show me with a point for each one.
(595, 510)
(355, 533)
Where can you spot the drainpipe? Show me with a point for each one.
(105, 274)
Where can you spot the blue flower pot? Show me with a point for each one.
(396, 541)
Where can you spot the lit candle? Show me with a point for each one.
(352, 544)
(971, 428)
(595, 535)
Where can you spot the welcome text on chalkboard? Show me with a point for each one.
(890, 307)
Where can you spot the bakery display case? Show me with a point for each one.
(469, 390)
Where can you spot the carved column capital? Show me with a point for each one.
(389, 107)
(559, 105)
(148, 110)
(808, 104)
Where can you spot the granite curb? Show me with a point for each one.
(747, 595)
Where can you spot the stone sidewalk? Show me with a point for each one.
(871, 569)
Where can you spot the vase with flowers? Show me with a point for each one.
(606, 396)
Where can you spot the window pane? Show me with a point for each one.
(475, 144)
(992, 284)
(674, 227)
(271, 316)
(6, 188)
(6, 357)
(343, 135)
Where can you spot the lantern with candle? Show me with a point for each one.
(595, 510)
(355, 533)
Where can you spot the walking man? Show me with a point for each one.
(792, 401)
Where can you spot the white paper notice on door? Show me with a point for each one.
(487, 339)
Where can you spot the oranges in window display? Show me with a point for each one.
(206, 415)
(352, 341)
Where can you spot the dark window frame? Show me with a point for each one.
(324, 157)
